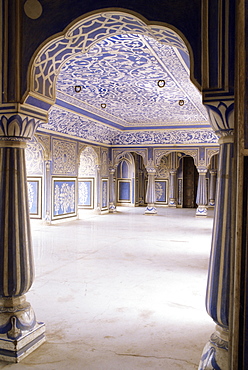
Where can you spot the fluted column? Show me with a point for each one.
(173, 183)
(151, 192)
(20, 333)
(201, 197)
(112, 195)
(215, 353)
(48, 192)
(212, 187)
(141, 188)
(98, 188)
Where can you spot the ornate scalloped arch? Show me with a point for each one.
(88, 158)
(118, 155)
(80, 36)
(160, 153)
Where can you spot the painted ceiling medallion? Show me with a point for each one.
(181, 102)
(103, 105)
(161, 83)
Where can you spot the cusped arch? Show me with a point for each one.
(159, 154)
(88, 160)
(120, 154)
(84, 33)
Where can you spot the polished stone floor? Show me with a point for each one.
(121, 291)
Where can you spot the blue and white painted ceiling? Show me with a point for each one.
(118, 100)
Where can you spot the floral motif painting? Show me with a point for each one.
(34, 196)
(85, 193)
(161, 191)
(104, 194)
(64, 196)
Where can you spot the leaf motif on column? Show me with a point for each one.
(17, 126)
(221, 116)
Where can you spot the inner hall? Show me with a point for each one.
(123, 289)
(123, 187)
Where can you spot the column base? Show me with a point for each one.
(112, 208)
(172, 203)
(12, 350)
(211, 203)
(215, 353)
(150, 210)
(201, 211)
(20, 333)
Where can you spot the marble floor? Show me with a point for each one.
(121, 291)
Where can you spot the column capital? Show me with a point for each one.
(151, 170)
(221, 115)
(111, 170)
(48, 164)
(202, 170)
(213, 171)
(17, 127)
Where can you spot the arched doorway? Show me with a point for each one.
(190, 182)
(87, 176)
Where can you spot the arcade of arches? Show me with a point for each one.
(106, 107)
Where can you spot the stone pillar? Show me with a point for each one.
(112, 195)
(215, 353)
(201, 197)
(20, 333)
(151, 192)
(212, 187)
(48, 192)
(98, 188)
(141, 188)
(173, 180)
(173, 183)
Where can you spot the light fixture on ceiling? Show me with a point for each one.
(181, 102)
(78, 88)
(103, 105)
(161, 83)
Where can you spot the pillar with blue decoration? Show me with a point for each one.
(20, 333)
(215, 353)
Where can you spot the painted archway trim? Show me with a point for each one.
(78, 38)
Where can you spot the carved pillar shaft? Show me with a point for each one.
(172, 197)
(20, 334)
(112, 195)
(98, 188)
(16, 259)
(201, 197)
(215, 353)
(212, 187)
(151, 192)
(217, 299)
(48, 192)
(141, 187)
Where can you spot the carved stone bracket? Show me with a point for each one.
(45, 142)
